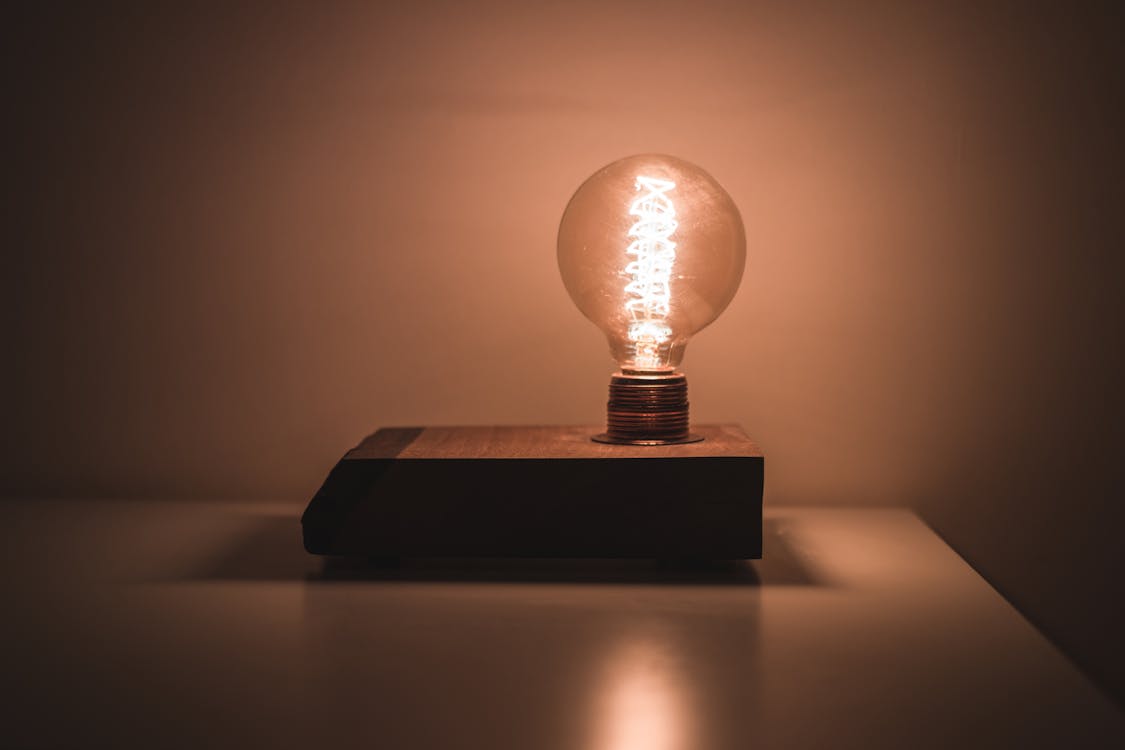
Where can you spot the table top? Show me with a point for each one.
(178, 624)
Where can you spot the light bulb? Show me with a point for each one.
(651, 249)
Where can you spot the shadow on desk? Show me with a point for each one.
(272, 551)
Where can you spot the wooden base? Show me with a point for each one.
(539, 492)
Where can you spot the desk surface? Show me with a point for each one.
(205, 625)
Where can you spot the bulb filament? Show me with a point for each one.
(650, 272)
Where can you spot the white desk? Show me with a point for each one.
(204, 625)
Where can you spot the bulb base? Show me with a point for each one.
(647, 410)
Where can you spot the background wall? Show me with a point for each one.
(241, 238)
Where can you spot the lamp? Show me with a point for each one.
(651, 249)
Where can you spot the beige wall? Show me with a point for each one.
(259, 235)
(243, 239)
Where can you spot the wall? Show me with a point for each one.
(243, 238)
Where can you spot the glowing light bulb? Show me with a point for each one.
(651, 249)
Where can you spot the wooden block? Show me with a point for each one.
(544, 491)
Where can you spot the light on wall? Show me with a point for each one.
(651, 249)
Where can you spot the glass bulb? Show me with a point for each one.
(651, 249)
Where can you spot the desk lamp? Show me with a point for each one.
(651, 249)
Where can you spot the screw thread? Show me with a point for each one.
(647, 409)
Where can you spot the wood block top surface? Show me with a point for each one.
(542, 441)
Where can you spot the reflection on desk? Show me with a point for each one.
(183, 624)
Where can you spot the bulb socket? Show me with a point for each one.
(647, 410)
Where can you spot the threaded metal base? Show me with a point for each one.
(647, 410)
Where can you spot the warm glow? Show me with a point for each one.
(650, 272)
(643, 703)
(651, 249)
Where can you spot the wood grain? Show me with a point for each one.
(542, 441)
(539, 491)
